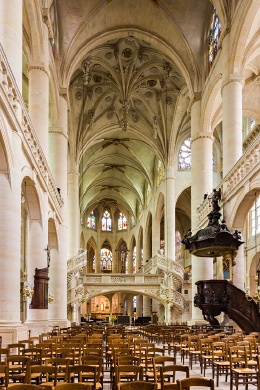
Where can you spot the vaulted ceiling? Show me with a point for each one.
(128, 95)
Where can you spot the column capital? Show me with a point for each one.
(46, 20)
(201, 135)
(195, 97)
(37, 66)
(233, 78)
(64, 93)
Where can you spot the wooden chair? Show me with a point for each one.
(16, 348)
(24, 387)
(239, 371)
(34, 354)
(3, 376)
(36, 373)
(206, 354)
(94, 361)
(62, 368)
(27, 343)
(138, 385)
(73, 386)
(86, 374)
(198, 382)
(220, 360)
(17, 368)
(93, 351)
(132, 373)
(4, 353)
(168, 376)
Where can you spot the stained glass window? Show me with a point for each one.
(160, 172)
(142, 257)
(185, 155)
(178, 250)
(106, 260)
(132, 221)
(252, 123)
(256, 217)
(91, 221)
(52, 17)
(106, 221)
(214, 34)
(134, 260)
(94, 263)
(122, 222)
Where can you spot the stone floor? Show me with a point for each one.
(195, 372)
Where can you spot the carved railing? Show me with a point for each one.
(171, 268)
(75, 264)
(13, 101)
(113, 279)
(216, 296)
(245, 167)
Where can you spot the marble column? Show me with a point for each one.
(73, 212)
(11, 36)
(232, 133)
(201, 183)
(58, 267)
(39, 92)
(169, 232)
(10, 244)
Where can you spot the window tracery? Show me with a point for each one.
(106, 260)
(214, 34)
(134, 260)
(185, 155)
(106, 221)
(52, 17)
(122, 222)
(91, 223)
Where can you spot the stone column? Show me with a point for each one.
(10, 243)
(11, 36)
(232, 133)
(201, 183)
(58, 141)
(130, 307)
(169, 232)
(239, 269)
(39, 92)
(37, 319)
(146, 306)
(139, 306)
(73, 212)
(146, 247)
(130, 261)
(155, 236)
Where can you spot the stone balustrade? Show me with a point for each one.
(173, 269)
(13, 103)
(75, 264)
(245, 168)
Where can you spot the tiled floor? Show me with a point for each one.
(194, 372)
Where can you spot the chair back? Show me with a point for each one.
(198, 382)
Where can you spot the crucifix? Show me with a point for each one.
(123, 253)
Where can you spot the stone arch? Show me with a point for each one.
(33, 200)
(242, 207)
(250, 12)
(211, 104)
